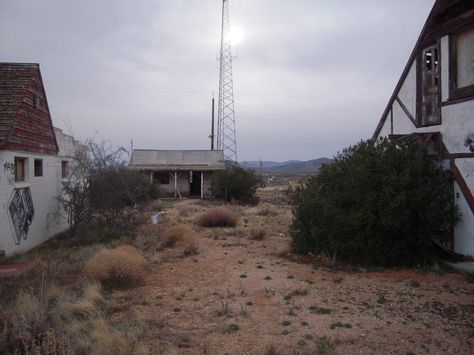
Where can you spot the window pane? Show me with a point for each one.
(465, 58)
(162, 178)
(64, 169)
(38, 167)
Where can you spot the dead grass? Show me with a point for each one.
(190, 246)
(63, 323)
(283, 251)
(257, 234)
(218, 217)
(172, 235)
(187, 210)
(266, 210)
(153, 206)
(118, 267)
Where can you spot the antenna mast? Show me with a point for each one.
(226, 138)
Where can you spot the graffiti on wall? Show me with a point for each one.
(9, 170)
(469, 142)
(21, 213)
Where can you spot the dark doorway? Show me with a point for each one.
(195, 184)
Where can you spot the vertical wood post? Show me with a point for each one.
(175, 184)
(202, 185)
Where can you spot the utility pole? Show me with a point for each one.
(226, 137)
(212, 123)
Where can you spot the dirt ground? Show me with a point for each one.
(242, 295)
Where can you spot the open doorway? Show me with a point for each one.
(195, 184)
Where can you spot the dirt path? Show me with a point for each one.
(240, 296)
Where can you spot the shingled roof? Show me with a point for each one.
(16, 83)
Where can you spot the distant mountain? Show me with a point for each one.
(255, 164)
(292, 167)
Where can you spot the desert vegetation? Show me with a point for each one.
(236, 183)
(101, 192)
(183, 287)
(376, 205)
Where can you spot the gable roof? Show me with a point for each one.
(15, 80)
(442, 15)
(173, 160)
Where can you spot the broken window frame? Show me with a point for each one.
(429, 86)
(456, 93)
(20, 169)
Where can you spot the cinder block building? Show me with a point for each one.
(180, 173)
(34, 160)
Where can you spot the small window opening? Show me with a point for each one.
(428, 60)
(36, 102)
(20, 169)
(430, 105)
(64, 169)
(162, 178)
(38, 167)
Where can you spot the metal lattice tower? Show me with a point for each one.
(226, 138)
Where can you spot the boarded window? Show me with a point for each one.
(162, 178)
(38, 167)
(20, 173)
(462, 64)
(430, 74)
(64, 169)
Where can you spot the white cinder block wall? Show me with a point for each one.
(48, 217)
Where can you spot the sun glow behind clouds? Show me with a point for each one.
(236, 35)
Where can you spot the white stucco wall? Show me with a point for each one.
(464, 230)
(407, 93)
(401, 123)
(48, 217)
(458, 123)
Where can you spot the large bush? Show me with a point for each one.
(377, 204)
(236, 183)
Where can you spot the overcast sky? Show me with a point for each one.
(312, 76)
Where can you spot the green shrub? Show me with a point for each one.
(236, 183)
(377, 204)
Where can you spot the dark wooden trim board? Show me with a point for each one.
(404, 108)
(464, 188)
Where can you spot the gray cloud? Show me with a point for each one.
(312, 76)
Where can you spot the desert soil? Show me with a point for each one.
(239, 295)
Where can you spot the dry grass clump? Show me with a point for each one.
(218, 217)
(153, 206)
(283, 251)
(186, 210)
(170, 236)
(266, 210)
(190, 246)
(67, 322)
(117, 267)
(258, 234)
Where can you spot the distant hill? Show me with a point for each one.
(255, 164)
(292, 167)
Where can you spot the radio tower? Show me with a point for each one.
(226, 139)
